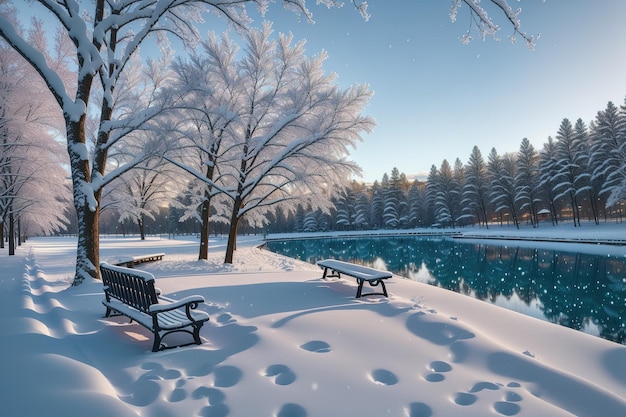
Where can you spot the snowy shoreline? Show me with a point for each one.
(609, 233)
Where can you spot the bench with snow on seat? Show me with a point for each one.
(374, 277)
(130, 261)
(131, 293)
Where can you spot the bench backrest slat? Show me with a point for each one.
(132, 287)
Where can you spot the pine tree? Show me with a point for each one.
(446, 196)
(416, 199)
(607, 150)
(583, 180)
(527, 194)
(432, 189)
(345, 206)
(458, 174)
(377, 205)
(363, 210)
(310, 223)
(547, 168)
(567, 168)
(395, 210)
(502, 181)
(475, 195)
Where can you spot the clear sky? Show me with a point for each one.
(436, 98)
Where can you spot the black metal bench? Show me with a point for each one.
(374, 277)
(131, 293)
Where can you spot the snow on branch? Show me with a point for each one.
(54, 82)
(299, 7)
(485, 25)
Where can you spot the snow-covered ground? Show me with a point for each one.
(283, 343)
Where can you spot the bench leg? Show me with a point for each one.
(359, 291)
(159, 336)
(374, 283)
(196, 333)
(382, 284)
(156, 346)
(333, 273)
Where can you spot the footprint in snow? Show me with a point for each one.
(291, 410)
(437, 368)
(282, 374)
(483, 386)
(316, 346)
(419, 410)
(226, 376)
(508, 407)
(384, 377)
(464, 398)
(225, 318)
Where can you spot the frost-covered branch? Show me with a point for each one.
(481, 18)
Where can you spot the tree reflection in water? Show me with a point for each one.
(585, 292)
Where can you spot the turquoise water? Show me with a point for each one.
(586, 292)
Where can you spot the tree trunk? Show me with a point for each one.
(484, 213)
(575, 214)
(204, 230)
(232, 232)
(11, 234)
(2, 224)
(87, 204)
(205, 216)
(594, 208)
(88, 251)
(142, 227)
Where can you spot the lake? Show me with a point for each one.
(583, 291)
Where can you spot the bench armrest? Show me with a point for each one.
(192, 300)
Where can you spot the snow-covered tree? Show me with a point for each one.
(310, 222)
(608, 152)
(444, 190)
(502, 172)
(475, 194)
(208, 80)
(292, 131)
(395, 209)
(418, 207)
(141, 192)
(585, 186)
(33, 183)
(527, 190)
(377, 204)
(458, 173)
(567, 168)
(362, 210)
(432, 187)
(547, 182)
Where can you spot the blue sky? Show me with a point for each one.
(436, 98)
